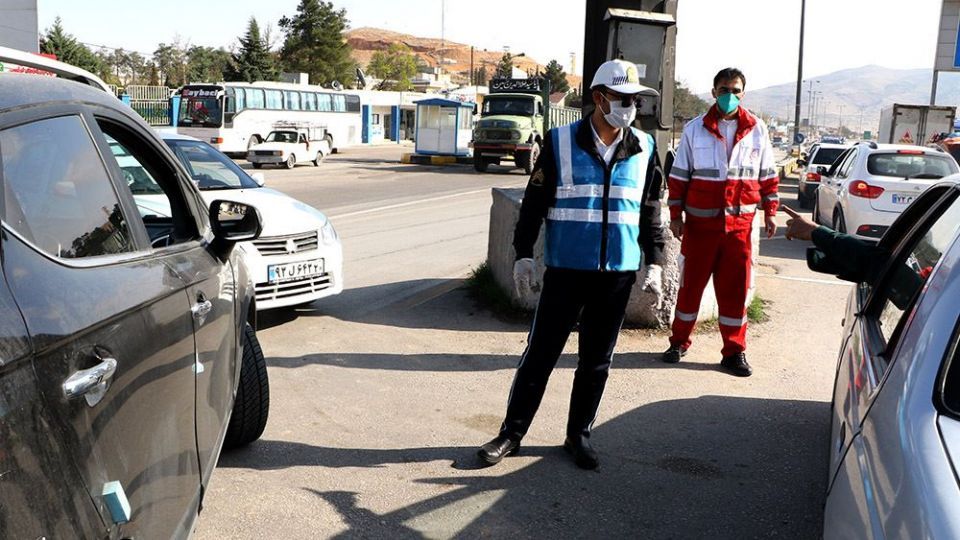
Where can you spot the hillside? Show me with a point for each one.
(456, 56)
(864, 89)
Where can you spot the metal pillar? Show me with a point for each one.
(796, 115)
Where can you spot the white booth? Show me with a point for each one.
(444, 127)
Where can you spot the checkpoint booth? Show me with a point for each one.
(444, 127)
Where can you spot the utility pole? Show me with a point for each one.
(796, 113)
(840, 121)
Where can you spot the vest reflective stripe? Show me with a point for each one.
(707, 174)
(575, 231)
(679, 174)
(686, 317)
(593, 216)
(730, 321)
(771, 197)
(702, 212)
(714, 212)
(741, 210)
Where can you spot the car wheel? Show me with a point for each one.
(291, 161)
(254, 140)
(252, 406)
(480, 164)
(839, 224)
(318, 159)
(526, 160)
(257, 165)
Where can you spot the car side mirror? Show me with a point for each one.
(233, 222)
(821, 170)
(802, 162)
(259, 178)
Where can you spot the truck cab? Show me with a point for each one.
(511, 127)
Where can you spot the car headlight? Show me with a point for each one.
(278, 152)
(328, 234)
(515, 135)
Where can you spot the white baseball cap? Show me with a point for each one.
(622, 77)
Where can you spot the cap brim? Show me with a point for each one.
(634, 88)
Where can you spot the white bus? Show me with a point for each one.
(234, 116)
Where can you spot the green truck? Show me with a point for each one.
(513, 120)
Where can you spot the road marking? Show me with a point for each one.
(410, 203)
(808, 280)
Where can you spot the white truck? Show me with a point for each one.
(289, 146)
(915, 124)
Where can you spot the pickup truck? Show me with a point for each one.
(288, 147)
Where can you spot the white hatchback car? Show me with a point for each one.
(870, 185)
(298, 257)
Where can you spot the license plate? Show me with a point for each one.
(902, 199)
(278, 273)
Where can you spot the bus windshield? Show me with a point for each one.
(200, 112)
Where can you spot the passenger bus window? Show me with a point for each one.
(254, 98)
(57, 194)
(241, 99)
(339, 103)
(908, 276)
(323, 102)
(291, 100)
(274, 99)
(309, 101)
(353, 103)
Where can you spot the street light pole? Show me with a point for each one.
(796, 112)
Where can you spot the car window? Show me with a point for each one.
(908, 275)
(911, 165)
(208, 167)
(57, 193)
(844, 170)
(826, 156)
(950, 386)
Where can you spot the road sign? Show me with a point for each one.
(948, 44)
(867, 135)
(799, 138)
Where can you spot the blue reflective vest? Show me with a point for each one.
(577, 222)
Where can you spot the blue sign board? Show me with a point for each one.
(956, 52)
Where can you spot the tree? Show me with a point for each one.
(314, 43)
(171, 60)
(253, 62)
(574, 99)
(206, 64)
(558, 79)
(687, 105)
(67, 49)
(480, 76)
(505, 66)
(395, 66)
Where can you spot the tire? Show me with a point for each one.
(480, 164)
(291, 161)
(254, 140)
(318, 159)
(526, 160)
(839, 224)
(252, 406)
(258, 165)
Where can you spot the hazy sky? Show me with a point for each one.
(759, 36)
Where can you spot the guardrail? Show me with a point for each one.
(561, 116)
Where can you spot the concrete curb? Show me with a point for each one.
(420, 159)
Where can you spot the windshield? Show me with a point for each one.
(826, 156)
(208, 167)
(929, 166)
(200, 112)
(282, 136)
(138, 179)
(515, 105)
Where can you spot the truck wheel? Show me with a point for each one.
(480, 164)
(318, 159)
(252, 406)
(526, 160)
(291, 161)
(257, 165)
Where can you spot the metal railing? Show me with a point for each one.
(150, 102)
(561, 116)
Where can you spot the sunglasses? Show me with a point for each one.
(625, 101)
(727, 90)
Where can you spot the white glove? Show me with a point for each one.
(524, 275)
(653, 280)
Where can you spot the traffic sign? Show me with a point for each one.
(799, 138)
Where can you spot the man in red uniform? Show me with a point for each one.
(723, 173)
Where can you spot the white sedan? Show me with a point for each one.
(288, 148)
(298, 257)
(870, 184)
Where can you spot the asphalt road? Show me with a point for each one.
(381, 395)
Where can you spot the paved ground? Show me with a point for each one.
(381, 395)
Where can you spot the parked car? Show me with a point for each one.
(297, 259)
(895, 435)
(288, 147)
(871, 184)
(126, 365)
(819, 159)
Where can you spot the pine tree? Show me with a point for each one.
(505, 66)
(253, 62)
(67, 49)
(558, 79)
(314, 43)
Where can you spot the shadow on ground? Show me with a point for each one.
(710, 467)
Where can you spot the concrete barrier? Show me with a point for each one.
(645, 309)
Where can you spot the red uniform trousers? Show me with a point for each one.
(727, 256)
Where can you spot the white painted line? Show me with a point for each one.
(808, 280)
(411, 203)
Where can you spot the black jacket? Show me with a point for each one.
(845, 256)
(541, 191)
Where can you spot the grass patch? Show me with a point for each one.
(484, 289)
(757, 310)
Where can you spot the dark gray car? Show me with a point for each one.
(126, 364)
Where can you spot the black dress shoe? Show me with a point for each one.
(737, 365)
(583, 453)
(500, 447)
(673, 354)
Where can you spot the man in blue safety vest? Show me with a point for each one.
(598, 184)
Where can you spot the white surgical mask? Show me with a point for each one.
(619, 116)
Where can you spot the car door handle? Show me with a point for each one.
(91, 383)
(201, 309)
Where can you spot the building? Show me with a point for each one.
(20, 29)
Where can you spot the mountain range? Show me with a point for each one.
(852, 93)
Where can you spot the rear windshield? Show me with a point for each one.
(826, 156)
(929, 166)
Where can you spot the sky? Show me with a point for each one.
(758, 36)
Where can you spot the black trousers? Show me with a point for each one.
(599, 299)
